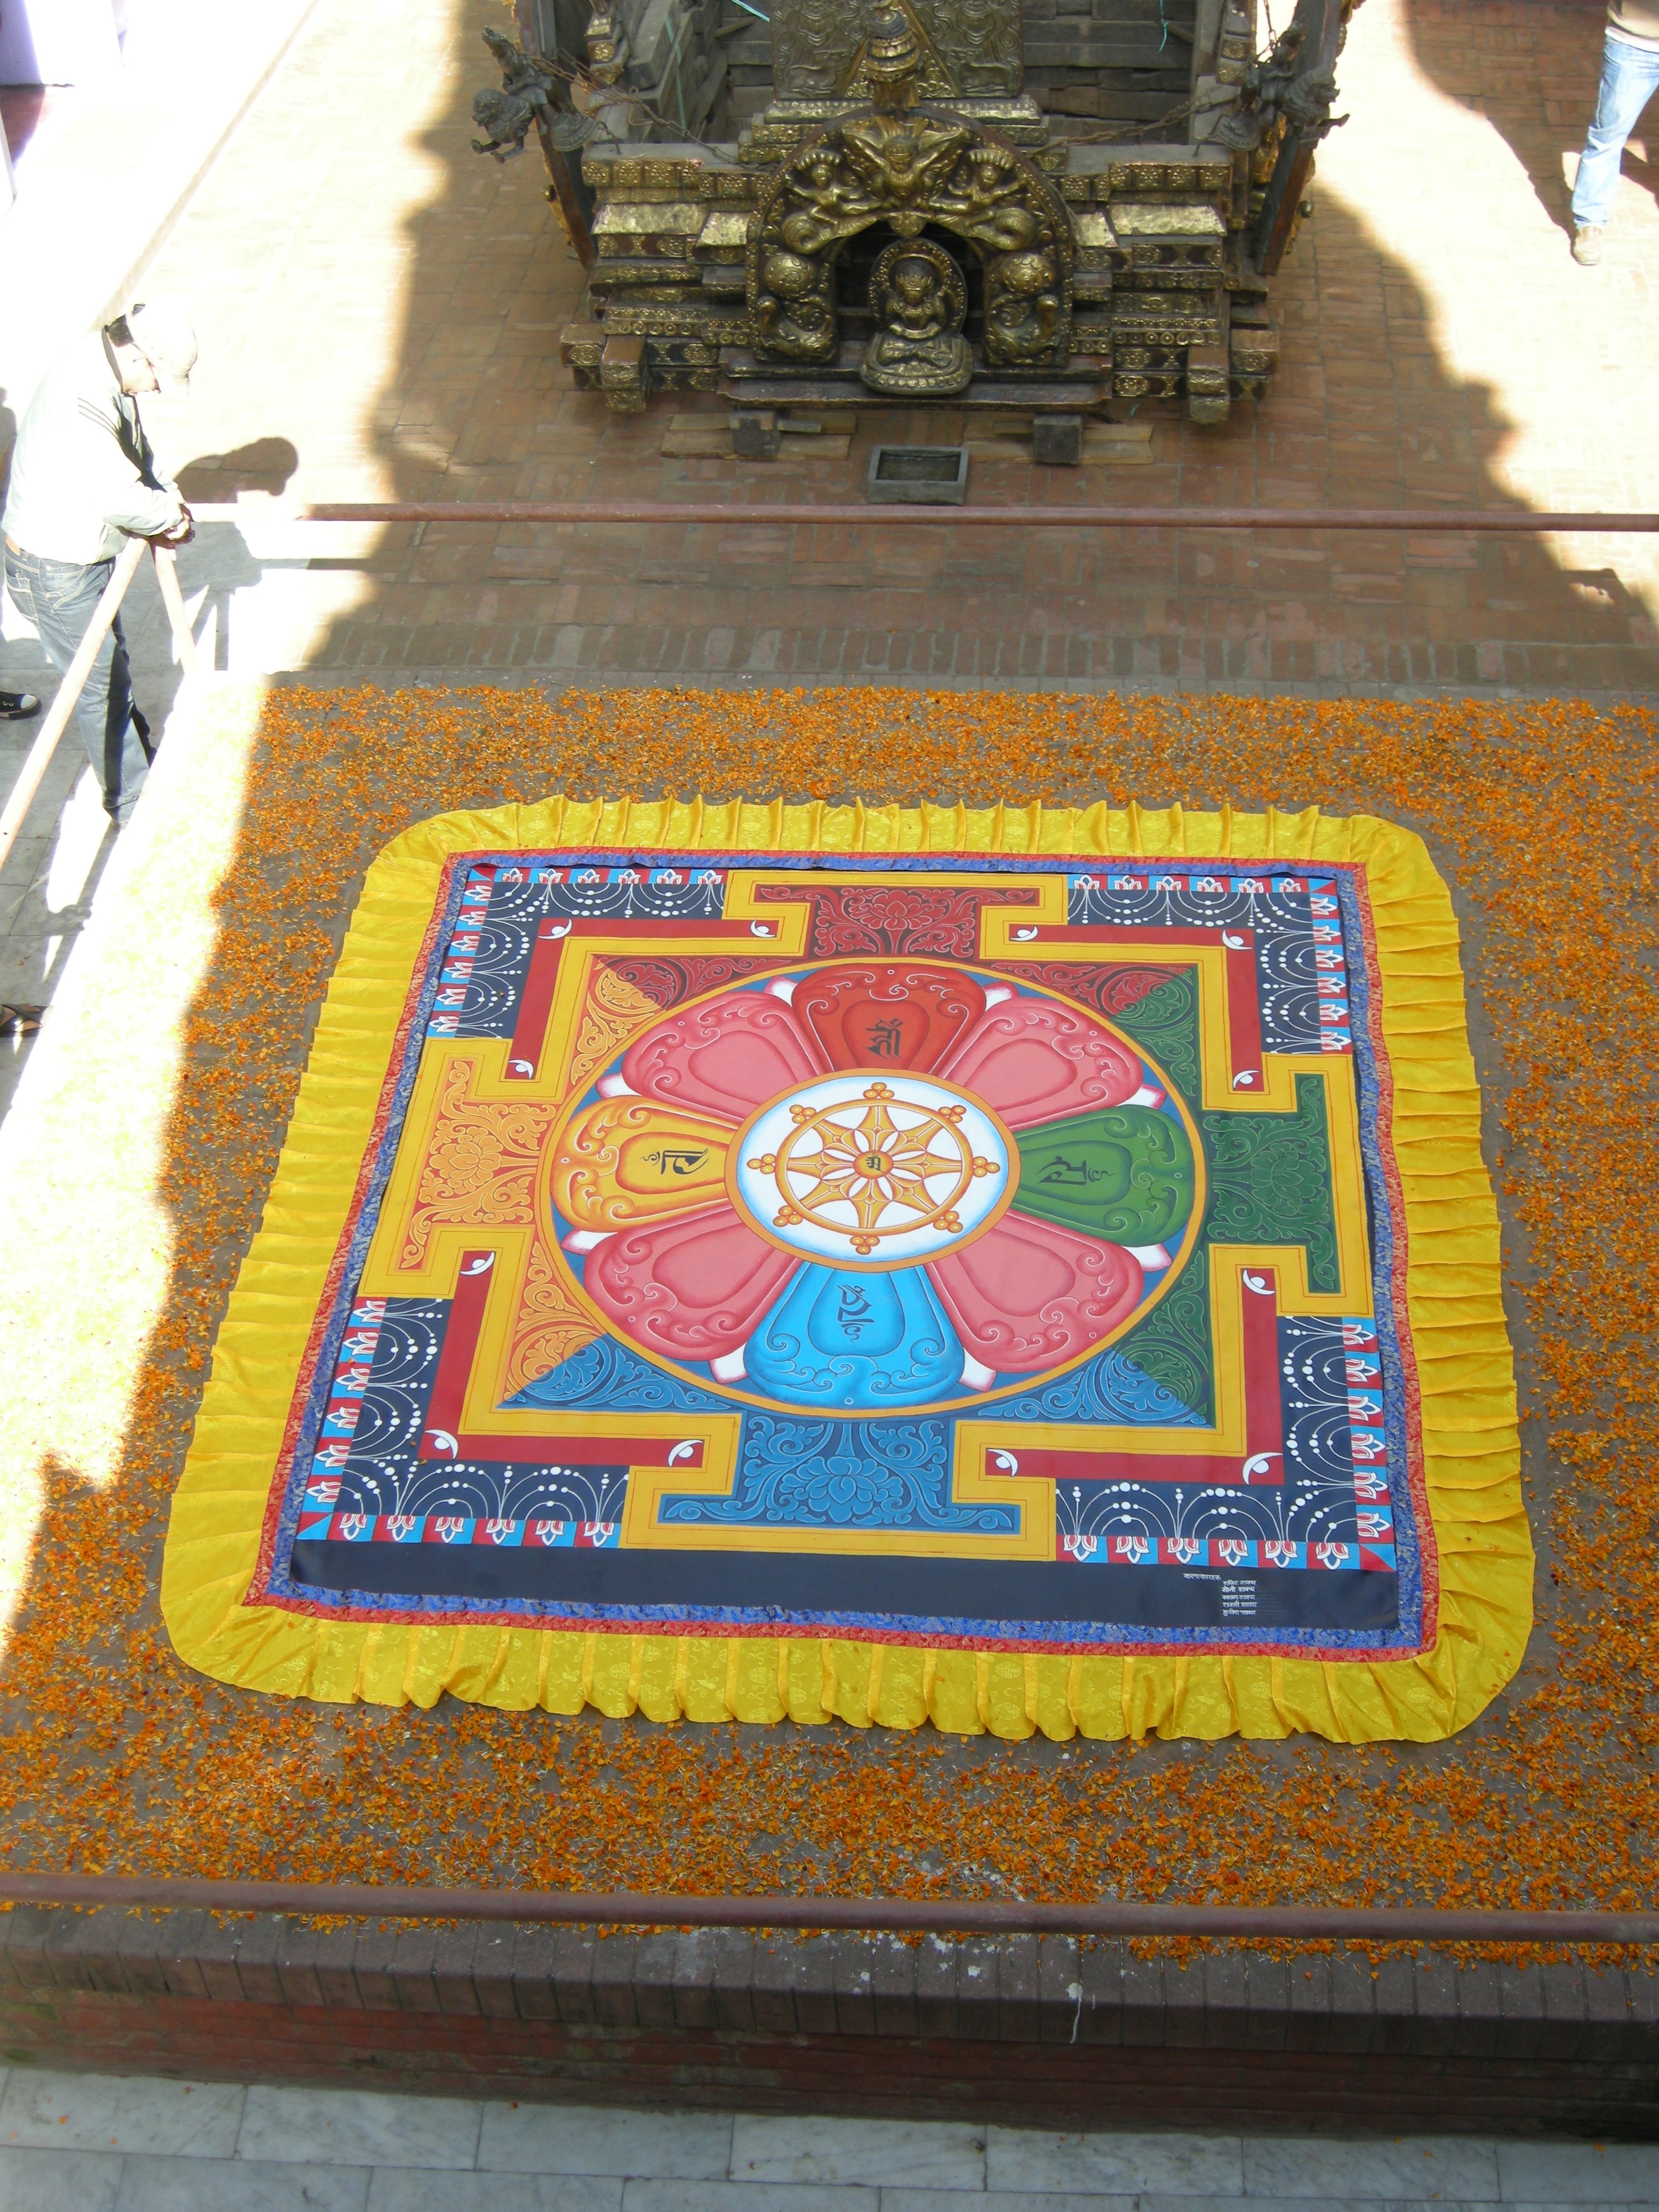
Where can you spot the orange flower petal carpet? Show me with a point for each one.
(140, 1160)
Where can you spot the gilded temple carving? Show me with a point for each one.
(1048, 267)
(920, 303)
(813, 46)
(970, 47)
(908, 166)
(1279, 92)
(983, 38)
(934, 79)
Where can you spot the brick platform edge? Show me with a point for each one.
(1027, 2031)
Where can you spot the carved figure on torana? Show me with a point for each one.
(1053, 273)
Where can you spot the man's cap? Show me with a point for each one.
(162, 332)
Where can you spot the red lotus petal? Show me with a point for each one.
(692, 1287)
(725, 1058)
(1027, 1295)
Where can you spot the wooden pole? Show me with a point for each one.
(1321, 24)
(567, 191)
(167, 575)
(68, 691)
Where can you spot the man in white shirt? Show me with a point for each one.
(82, 476)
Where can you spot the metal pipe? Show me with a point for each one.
(897, 1915)
(68, 691)
(757, 514)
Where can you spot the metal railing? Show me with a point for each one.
(760, 513)
(1350, 1923)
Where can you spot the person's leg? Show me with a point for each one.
(126, 755)
(1629, 77)
(20, 569)
(19, 706)
(61, 601)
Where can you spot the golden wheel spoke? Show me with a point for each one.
(912, 1145)
(819, 1193)
(877, 1128)
(870, 1204)
(910, 1190)
(935, 1166)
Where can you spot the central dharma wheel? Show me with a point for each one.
(856, 1170)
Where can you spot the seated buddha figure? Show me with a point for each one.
(920, 303)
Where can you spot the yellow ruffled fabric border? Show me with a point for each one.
(1471, 1444)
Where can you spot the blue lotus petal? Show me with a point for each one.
(838, 1337)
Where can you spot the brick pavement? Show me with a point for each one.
(1441, 347)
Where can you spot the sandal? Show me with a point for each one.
(19, 1021)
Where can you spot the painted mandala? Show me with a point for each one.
(875, 1184)
(1001, 1258)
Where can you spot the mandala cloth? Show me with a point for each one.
(1033, 1270)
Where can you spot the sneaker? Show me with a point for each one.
(18, 706)
(1587, 245)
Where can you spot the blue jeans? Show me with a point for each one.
(1630, 77)
(58, 598)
